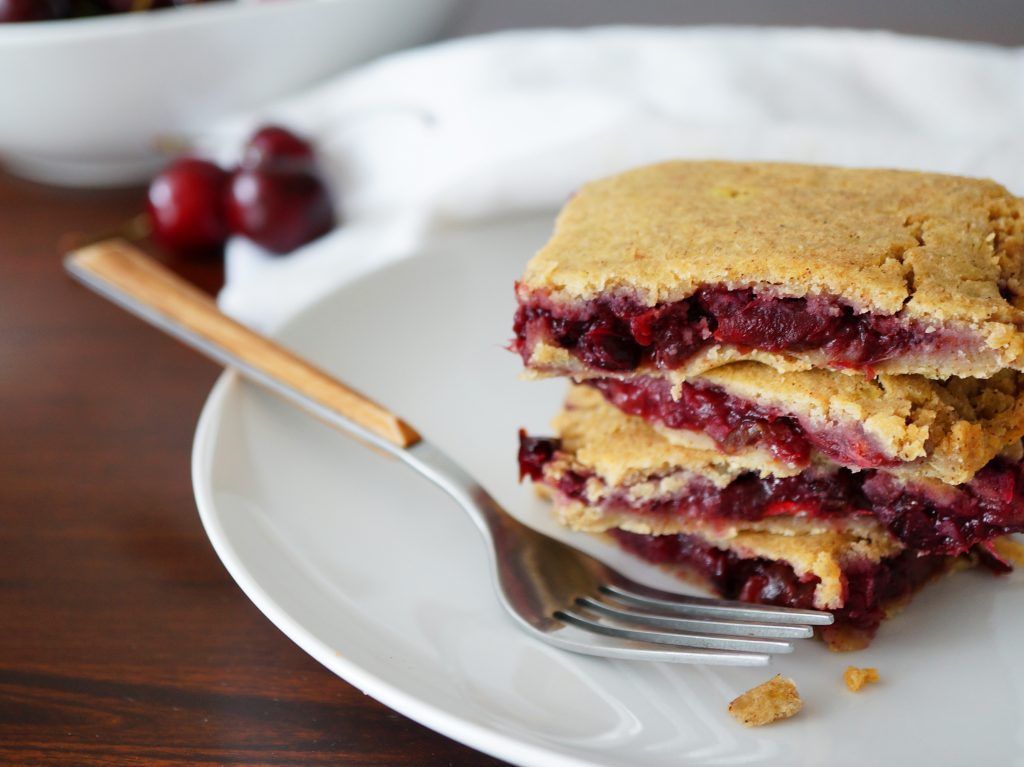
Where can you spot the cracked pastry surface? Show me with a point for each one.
(769, 702)
(857, 544)
(708, 312)
(941, 254)
(941, 430)
(624, 448)
(609, 470)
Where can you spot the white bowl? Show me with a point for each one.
(85, 102)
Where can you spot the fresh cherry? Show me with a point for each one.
(275, 197)
(186, 205)
(279, 208)
(34, 10)
(274, 145)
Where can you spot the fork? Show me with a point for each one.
(553, 591)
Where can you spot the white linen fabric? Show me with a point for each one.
(515, 121)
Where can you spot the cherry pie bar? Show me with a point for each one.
(796, 385)
(681, 267)
(856, 543)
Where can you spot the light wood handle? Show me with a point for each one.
(128, 276)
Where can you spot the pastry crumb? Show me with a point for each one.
(1010, 550)
(775, 699)
(856, 678)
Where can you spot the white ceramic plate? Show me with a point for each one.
(379, 577)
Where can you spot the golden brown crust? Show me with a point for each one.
(626, 450)
(769, 702)
(942, 250)
(943, 430)
(946, 430)
(846, 638)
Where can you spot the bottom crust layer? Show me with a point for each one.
(872, 590)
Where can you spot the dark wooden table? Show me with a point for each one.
(122, 638)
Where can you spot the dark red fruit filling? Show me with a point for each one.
(992, 504)
(534, 452)
(870, 588)
(618, 334)
(735, 423)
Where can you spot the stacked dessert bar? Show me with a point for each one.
(798, 384)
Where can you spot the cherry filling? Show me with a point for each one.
(617, 333)
(870, 587)
(990, 505)
(734, 423)
(534, 452)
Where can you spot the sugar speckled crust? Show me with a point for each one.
(943, 250)
(626, 450)
(946, 432)
(769, 702)
(942, 430)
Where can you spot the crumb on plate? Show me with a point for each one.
(856, 678)
(1010, 549)
(775, 699)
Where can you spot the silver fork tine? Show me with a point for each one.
(704, 641)
(581, 640)
(664, 619)
(684, 604)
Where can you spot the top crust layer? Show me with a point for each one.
(947, 431)
(943, 249)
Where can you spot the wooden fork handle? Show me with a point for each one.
(132, 279)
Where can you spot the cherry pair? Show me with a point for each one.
(275, 197)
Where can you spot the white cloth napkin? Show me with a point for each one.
(515, 121)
